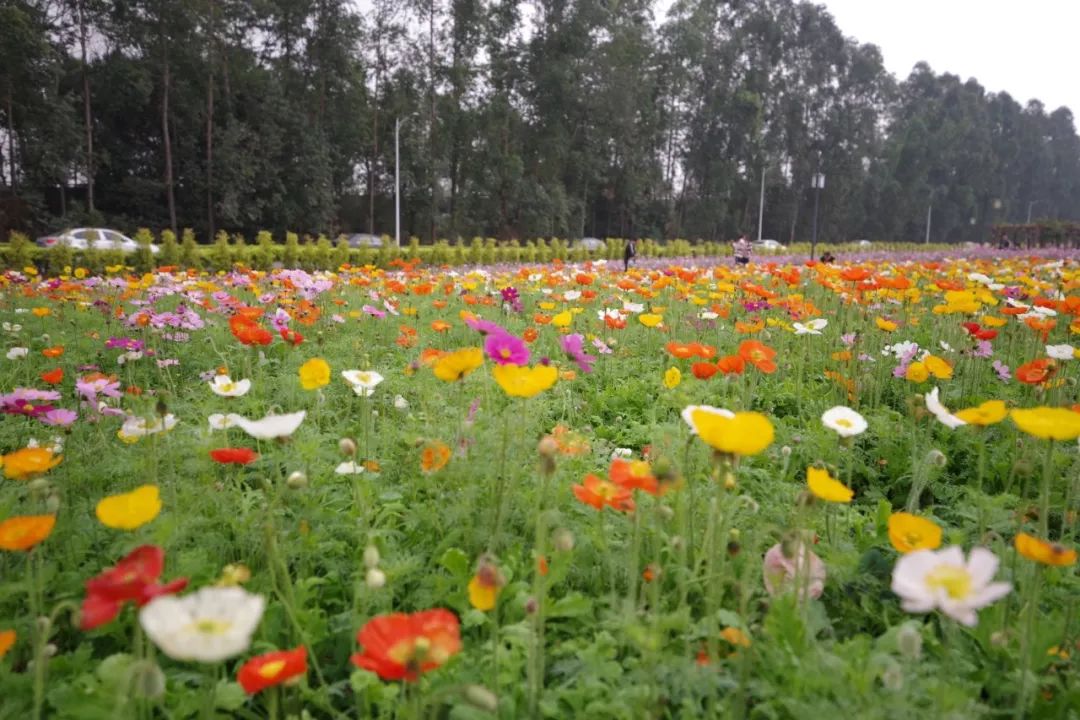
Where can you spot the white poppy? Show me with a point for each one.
(844, 421)
(979, 278)
(17, 353)
(812, 327)
(129, 356)
(707, 315)
(633, 307)
(209, 625)
(900, 349)
(220, 422)
(349, 467)
(946, 346)
(571, 295)
(271, 426)
(946, 418)
(927, 580)
(136, 427)
(1060, 352)
(689, 410)
(401, 403)
(12, 328)
(624, 453)
(363, 382)
(224, 386)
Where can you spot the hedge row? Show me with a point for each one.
(321, 253)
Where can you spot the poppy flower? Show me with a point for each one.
(759, 355)
(454, 366)
(682, 351)
(128, 511)
(291, 336)
(704, 370)
(827, 488)
(909, 533)
(1036, 371)
(53, 352)
(1048, 423)
(434, 457)
(53, 377)
(234, 456)
(314, 374)
(525, 382)
(28, 462)
(272, 668)
(400, 646)
(598, 493)
(634, 475)
(249, 332)
(731, 365)
(23, 532)
(133, 579)
(484, 586)
(1044, 552)
(7, 639)
(440, 326)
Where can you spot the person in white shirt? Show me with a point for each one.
(741, 250)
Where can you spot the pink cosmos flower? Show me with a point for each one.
(506, 349)
(573, 346)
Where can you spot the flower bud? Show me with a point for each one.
(52, 503)
(909, 641)
(892, 677)
(665, 512)
(39, 485)
(678, 542)
(785, 451)
(371, 557)
(147, 680)
(401, 403)
(481, 698)
(375, 578)
(563, 540)
(347, 447)
(664, 470)
(297, 480)
(531, 606)
(936, 458)
(729, 481)
(547, 447)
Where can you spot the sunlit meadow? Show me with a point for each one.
(789, 490)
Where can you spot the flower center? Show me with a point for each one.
(208, 626)
(271, 669)
(953, 579)
(844, 423)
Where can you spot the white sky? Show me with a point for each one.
(1027, 48)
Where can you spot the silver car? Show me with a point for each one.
(96, 238)
(361, 240)
(591, 244)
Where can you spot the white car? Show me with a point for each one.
(365, 240)
(96, 238)
(591, 244)
(769, 245)
(865, 243)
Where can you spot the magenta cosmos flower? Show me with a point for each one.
(506, 349)
(574, 346)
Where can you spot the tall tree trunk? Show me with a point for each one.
(210, 128)
(13, 184)
(166, 137)
(374, 150)
(431, 113)
(87, 111)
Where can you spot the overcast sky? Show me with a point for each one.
(1027, 48)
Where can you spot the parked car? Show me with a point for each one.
(591, 244)
(361, 240)
(96, 238)
(864, 243)
(769, 246)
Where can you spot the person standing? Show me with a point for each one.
(629, 253)
(741, 250)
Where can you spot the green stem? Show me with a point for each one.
(1025, 641)
(1044, 502)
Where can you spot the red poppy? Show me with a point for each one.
(633, 475)
(854, 274)
(234, 456)
(402, 646)
(759, 355)
(979, 333)
(53, 352)
(291, 336)
(53, 377)
(704, 370)
(249, 332)
(132, 579)
(681, 350)
(1036, 371)
(272, 668)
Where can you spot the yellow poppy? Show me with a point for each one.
(990, 412)
(909, 532)
(1041, 551)
(938, 367)
(563, 319)
(314, 374)
(672, 378)
(130, 510)
(482, 594)
(456, 365)
(524, 381)
(916, 372)
(886, 325)
(826, 487)
(650, 319)
(1048, 423)
(743, 433)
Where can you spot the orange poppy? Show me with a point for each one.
(599, 493)
(440, 326)
(530, 335)
(731, 365)
(614, 323)
(681, 350)
(759, 355)
(1036, 371)
(23, 532)
(53, 377)
(249, 332)
(541, 319)
(704, 370)
(306, 313)
(854, 274)
(749, 328)
(434, 457)
(53, 352)
(438, 304)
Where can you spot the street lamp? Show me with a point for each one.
(818, 183)
(397, 180)
(1031, 204)
(929, 213)
(761, 205)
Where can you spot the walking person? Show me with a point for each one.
(629, 253)
(741, 250)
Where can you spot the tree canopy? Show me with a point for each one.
(561, 118)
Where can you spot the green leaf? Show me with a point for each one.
(456, 561)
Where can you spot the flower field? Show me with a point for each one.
(784, 490)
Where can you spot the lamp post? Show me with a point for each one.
(397, 180)
(761, 205)
(818, 183)
(1031, 204)
(929, 213)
